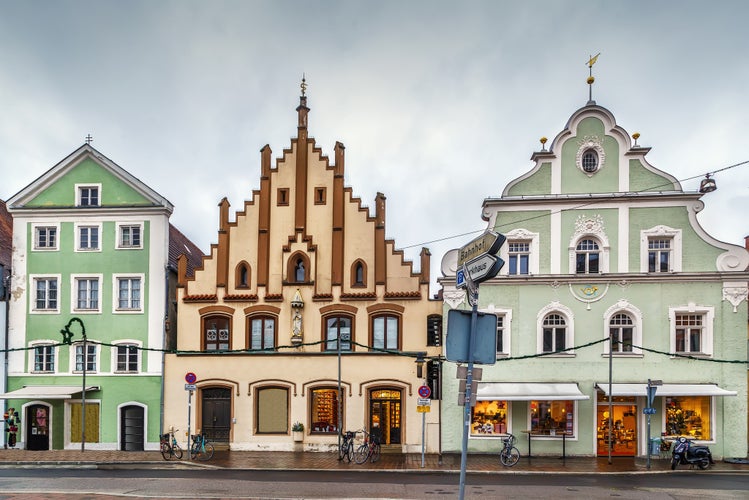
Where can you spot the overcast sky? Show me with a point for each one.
(439, 104)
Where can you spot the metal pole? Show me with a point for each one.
(423, 436)
(611, 407)
(340, 396)
(83, 395)
(189, 412)
(469, 390)
(648, 424)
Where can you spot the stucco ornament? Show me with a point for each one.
(593, 225)
(590, 142)
(588, 293)
(454, 297)
(735, 295)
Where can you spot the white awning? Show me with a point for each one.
(528, 391)
(665, 390)
(47, 392)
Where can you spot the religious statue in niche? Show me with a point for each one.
(297, 322)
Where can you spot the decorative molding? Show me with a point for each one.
(735, 295)
(590, 142)
(454, 298)
(588, 293)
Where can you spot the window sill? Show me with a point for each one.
(684, 355)
(623, 355)
(558, 354)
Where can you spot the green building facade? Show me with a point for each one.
(607, 270)
(91, 250)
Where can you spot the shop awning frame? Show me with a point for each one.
(528, 391)
(47, 392)
(665, 390)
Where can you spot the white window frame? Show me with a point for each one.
(120, 228)
(35, 228)
(74, 279)
(32, 355)
(97, 356)
(556, 307)
(506, 315)
(587, 253)
(661, 232)
(708, 312)
(623, 306)
(115, 355)
(116, 293)
(79, 226)
(79, 192)
(33, 279)
(590, 228)
(521, 236)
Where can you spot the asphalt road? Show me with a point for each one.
(85, 483)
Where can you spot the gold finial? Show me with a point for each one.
(543, 143)
(636, 136)
(303, 85)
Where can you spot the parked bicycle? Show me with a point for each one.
(346, 451)
(201, 448)
(169, 446)
(509, 455)
(369, 449)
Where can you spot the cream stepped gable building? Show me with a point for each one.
(301, 267)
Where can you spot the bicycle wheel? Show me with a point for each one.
(207, 452)
(347, 451)
(177, 451)
(375, 452)
(509, 456)
(361, 454)
(166, 451)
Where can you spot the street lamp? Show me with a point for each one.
(67, 337)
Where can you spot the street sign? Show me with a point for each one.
(425, 391)
(424, 402)
(459, 334)
(480, 269)
(423, 409)
(488, 243)
(190, 387)
(191, 378)
(648, 411)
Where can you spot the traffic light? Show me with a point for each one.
(434, 369)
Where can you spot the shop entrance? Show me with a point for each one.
(385, 415)
(216, 414)
(623, 419)
(37, 427)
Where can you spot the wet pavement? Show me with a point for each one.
(270, 460)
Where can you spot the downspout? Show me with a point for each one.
(5, 298)
(165, 331)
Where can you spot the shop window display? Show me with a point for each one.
(324, 411)
(688, 416)
(489, 418)
(553, 417)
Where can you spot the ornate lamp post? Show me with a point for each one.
(67, 337)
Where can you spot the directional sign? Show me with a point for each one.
(484, 267)
(488, 243)
(648, 411)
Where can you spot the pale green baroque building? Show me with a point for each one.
(90, 242)
(605, 262)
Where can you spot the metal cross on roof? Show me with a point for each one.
(89, 139)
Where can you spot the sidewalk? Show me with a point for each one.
(261, 460)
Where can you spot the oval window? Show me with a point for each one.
(590, 161)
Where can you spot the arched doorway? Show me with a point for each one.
(385, 414)
(132, 428)
(216, 414)
(37, 427)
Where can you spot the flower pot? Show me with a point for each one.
(298, 436)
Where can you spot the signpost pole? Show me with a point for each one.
(189, 411)
(473, 295)
(423, 436)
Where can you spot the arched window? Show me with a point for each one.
(216, 333)
(262, 332)
(359, 274)
(298, 268)
(622, 331)
(338, 326)
(243, 275)
(554, 333)
(587, 257)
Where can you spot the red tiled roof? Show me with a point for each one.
(179, 244)
(6, 236)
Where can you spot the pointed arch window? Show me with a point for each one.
(243, 275)
(298, 268)
(359, 274)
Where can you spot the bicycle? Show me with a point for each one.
(509, 455)
(368, 450)
(169, 446)
(347, 446)
(201, 449)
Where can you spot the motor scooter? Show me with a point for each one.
(687, 454)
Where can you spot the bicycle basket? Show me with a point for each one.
(164, 438)
(510, 440)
